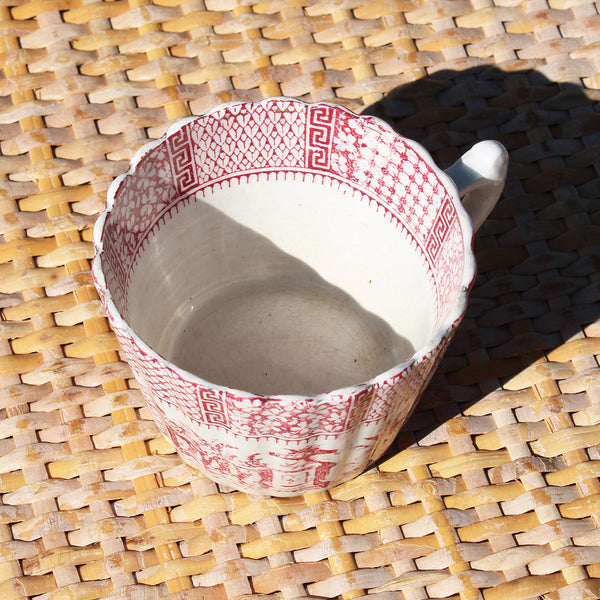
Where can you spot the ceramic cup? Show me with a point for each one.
(283, 278)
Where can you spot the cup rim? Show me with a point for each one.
(434, 341)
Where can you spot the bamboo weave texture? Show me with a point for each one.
(492, 490)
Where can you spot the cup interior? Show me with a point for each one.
(284, 248)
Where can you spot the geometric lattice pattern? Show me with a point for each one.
(278, 138)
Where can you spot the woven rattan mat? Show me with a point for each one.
(491, 492)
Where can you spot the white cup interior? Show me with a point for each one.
(281, 287)
(287, 277)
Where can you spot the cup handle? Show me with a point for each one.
(479, 175)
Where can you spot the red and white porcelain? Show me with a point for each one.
(283, 279)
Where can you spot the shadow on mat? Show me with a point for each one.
(538, 248)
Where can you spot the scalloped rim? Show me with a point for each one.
(434, 342)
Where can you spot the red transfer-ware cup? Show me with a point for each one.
(283, 279)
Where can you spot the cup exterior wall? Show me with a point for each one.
(278, 446)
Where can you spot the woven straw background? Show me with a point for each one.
(492, 491)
